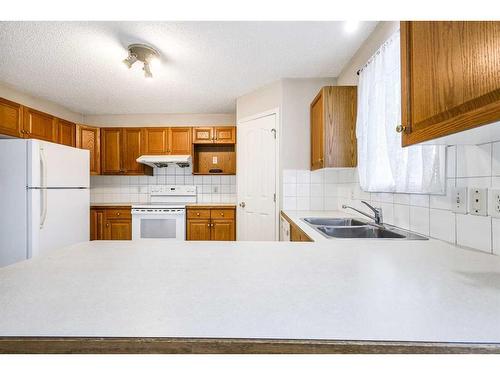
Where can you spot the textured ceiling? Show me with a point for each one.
(205, 65)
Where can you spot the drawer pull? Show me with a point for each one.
(117, 214)
(197, 214)
(222, 214)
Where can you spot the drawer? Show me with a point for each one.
(195, 213)
(222, 213)
(118, 213)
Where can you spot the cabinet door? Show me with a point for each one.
(96, 224)
(156, 141)
(198, 230)
(223, 230)
(132, 149)
(180, 141)
(111, 151)
(317, 132)
(340, 104)
(88, 138)
(66, 133)
(10, 118)
(225, 134)
(118, 229)
(203, 135)
(39, 125)
(450, 80)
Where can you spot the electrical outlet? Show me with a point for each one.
(494, 203)
(214, 160)
(478, 199)
(459, 200)
(215, 189)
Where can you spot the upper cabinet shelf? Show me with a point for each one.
(450, 77)
(333, 124)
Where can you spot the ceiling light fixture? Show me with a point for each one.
(351, 26)
(144, 54)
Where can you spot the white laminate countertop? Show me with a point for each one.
(333, 289)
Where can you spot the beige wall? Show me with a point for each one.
(260, 100)
(43, 105)
(381, 33)
(180, 119)
(298, 94)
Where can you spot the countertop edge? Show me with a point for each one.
(174, 345)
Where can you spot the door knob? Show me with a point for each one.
(242, 204)
(400, 128)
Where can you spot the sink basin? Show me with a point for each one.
(359, 232)
(340, 222)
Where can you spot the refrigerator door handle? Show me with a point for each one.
(43, 185)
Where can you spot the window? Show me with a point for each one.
(383, 165)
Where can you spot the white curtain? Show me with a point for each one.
(383, 165)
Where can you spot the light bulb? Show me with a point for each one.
(147, 70)
(130, 60)
(351, 26)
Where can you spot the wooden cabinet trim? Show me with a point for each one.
(50, 134)
(211, 223)
(91, 143)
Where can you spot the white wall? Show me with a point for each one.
(161, 119)
(381, 33)
(40, 104)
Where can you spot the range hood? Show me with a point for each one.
(163, 161)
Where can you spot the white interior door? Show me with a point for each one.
(256, 179)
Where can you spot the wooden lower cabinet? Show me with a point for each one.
(296, 234)
(110, 223)
(211, 223)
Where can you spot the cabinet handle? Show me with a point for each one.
(321, 160)
(208, 225)
(107, 224)
(117, 214)
(400, 128)
(222, 214)
(197, 214)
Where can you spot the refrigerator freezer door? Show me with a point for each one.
(13, 201)
(58, 218)
(52, 165)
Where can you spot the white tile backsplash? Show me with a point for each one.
(431, 215)
(135, 189)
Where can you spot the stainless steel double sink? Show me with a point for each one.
(356, 228)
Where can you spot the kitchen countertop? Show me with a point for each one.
(382, 290)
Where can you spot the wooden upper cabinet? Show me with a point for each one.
(66, 133)
(225, 134)
(203, 135)
(120, 147)
(88, 138)
(39, 125)
(215, 134)
(131, 150)
(317, 132)
(10, 118)
(156, 141)
(179, 141)
(450, 77)
(333, 128)
(111, 151)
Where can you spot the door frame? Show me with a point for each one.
(277, 187)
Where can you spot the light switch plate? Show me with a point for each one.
(494, 203)
(459, 200)
(478, 201)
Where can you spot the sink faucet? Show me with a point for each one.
(377, 212)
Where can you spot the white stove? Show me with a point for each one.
(164, 217)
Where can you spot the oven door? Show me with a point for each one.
(158, 226)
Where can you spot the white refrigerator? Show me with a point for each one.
(44, 198)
